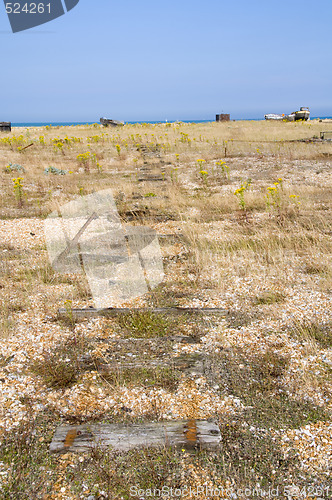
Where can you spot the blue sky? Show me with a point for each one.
(175, 59)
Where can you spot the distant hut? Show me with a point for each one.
(223, 117)
(5, 127)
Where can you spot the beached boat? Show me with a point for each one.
(303, 114)
(274, 116)
(287, 118)
(113, 123)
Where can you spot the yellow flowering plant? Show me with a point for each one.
(239, 193)
(223, 167)
(18, 190)
(204, 175)
(86, 158)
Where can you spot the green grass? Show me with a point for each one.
(144, 324)
(164, 377)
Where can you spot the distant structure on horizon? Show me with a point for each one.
(5, 126)
(113, 123)
(303, 114)
(223, 117)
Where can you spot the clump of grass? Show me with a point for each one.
(310, 330)
(269, 297)
(68, 319)
(164, 377)
(144, 324)
(61, 367)
(44, 274)
(81, 288)
(281, 411)
(270, 365)
(47, 275)
(315, 268)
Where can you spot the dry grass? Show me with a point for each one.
(268, 265)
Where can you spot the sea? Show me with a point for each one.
(73, 124)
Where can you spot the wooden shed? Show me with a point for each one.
(5, 127)
(223, 117)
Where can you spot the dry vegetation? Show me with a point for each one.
(263, 254)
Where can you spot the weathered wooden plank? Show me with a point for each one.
(187, 434)
(151, 178)
(190, 364)
(180, 339)
(77, 314)
(26, 147)
(170, 236)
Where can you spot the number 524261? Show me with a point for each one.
(28, 8)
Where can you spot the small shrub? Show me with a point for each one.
(13, 167)
(144, 325)
(61, 367)
(54, 171)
